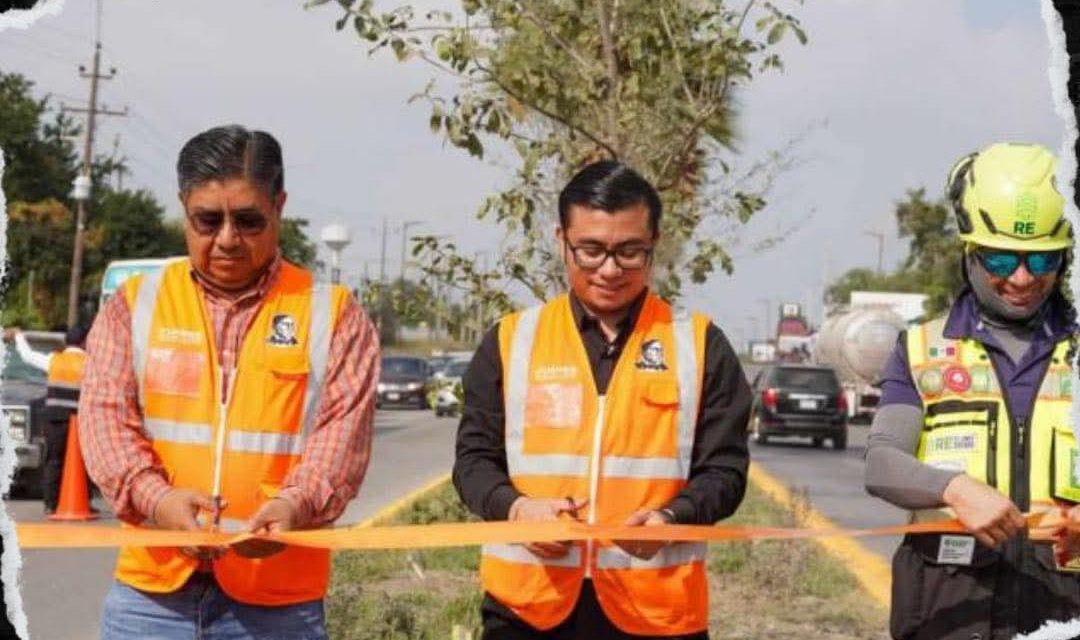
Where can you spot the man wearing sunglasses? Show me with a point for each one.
(608, 406)
(974, 416)
(227, 391)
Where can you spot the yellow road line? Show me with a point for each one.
(391, 510)
(872, 572)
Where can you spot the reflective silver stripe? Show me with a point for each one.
(550, 465)
(319, 333)
(58, 402)
(263, 442)
(647, 468)
(521, 555)
(178, 432)
(67, 386)
(517, 384)
(142, 316)
(672, 555)
(687, 371)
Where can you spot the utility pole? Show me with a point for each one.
(880, 235)
(82, 182)
(382, 282)
(767, 303)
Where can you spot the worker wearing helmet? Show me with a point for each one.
(974, 415)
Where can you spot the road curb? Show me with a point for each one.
(873, 573)
(390, 511)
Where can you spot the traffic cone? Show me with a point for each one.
(74, 503)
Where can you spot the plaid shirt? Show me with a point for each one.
(119, 456)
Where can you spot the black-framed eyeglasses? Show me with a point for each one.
(246, 223)
(628, 257)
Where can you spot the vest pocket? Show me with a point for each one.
(961, 436)
(1064, 483)
(662, 393)
(291, 364)
(932, 600)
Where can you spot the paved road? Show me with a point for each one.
(833, 483)
(63, 590)
(832, 480)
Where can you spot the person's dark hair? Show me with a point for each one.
(609, 186)
(231, 151)
(76, 336)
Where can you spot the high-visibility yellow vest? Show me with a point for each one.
(64, 378)
(627, 450)
(967, 426)
(251, 439)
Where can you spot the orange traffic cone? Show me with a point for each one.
(74, 503)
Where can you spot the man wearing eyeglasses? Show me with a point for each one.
(974, 416)
(608, 406)
(227, 391)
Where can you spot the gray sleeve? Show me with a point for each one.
(892, 471)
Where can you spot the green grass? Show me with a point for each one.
(758, 590)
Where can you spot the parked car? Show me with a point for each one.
(448, 396)
(22, 400)
(404, 381)
(799, 400)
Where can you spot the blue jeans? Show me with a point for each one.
(200, 610)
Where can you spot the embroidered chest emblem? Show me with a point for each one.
(652, 356)
(284, 331)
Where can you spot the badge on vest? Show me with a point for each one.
(284, 334)
(956, 550)
(652, 356)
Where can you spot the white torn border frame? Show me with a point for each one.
(11, 560)
(1066, 177)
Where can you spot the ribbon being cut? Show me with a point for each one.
(1043, 525)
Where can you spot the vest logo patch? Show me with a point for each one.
(931, 381)
(946, 352)
(980, 379)
(284, 331)
(652, 356)
(957, 379)
(555, 372)
(958, 443)
(179, 336)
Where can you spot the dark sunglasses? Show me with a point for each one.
(1002, 264)
(246, 223)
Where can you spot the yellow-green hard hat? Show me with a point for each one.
(1005, 196)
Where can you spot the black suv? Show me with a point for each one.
(405, 380)
(795, 400)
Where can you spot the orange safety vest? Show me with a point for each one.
(627, 450)
(64, 378)
(248, 437)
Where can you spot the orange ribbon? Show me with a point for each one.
(33, 535)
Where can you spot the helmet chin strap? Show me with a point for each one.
(995, 310)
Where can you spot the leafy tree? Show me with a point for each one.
(932, 265)
(558, 85)
(39, 158)
(296, 246)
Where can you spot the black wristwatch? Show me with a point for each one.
(668, 515)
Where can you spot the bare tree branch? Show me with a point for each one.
(545, 28)
(545, 112)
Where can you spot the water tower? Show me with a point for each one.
(336, 238)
